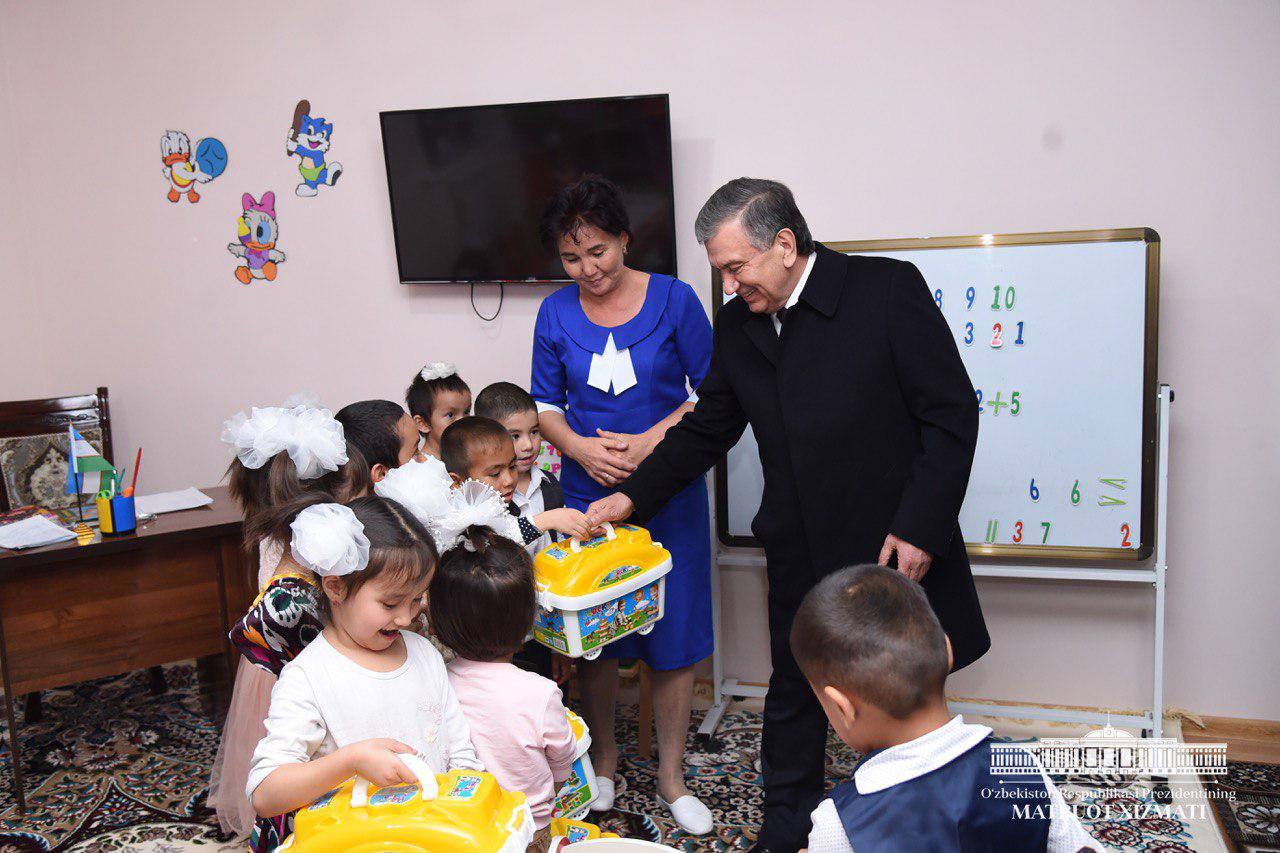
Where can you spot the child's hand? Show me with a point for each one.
(561, 668)
(570, 522)
(375, 759)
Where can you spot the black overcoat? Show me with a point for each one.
(866, 423)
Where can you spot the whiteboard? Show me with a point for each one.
(1057, 332)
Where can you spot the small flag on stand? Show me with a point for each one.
(85, 466)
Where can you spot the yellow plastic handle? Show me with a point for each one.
(575, 544)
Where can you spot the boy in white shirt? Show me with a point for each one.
(536, 490)
(877, 658)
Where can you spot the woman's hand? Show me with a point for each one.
(605, 460)
(632, 447)
(375, 759)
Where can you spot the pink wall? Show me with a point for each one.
(887, 119)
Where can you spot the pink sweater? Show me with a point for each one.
(519, 729)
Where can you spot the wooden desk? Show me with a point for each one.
(166, 593)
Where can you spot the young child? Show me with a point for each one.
(384, 433)
(281, 454)
(536, 490)
(481, 449)
(366, 689)
(875, 655)
(437, 397)
(483, 605)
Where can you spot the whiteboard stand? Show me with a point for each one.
(1151, 721)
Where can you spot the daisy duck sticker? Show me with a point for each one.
(183, 170)
(309, 140)
(258, 234)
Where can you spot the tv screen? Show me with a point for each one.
(469, 184)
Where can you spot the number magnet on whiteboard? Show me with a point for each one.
(1114, 482)
(937, 299)
(1035, 493)
(1107, 500)
(993, 527)
(1044, 540)
(1017, 533)
(1124, 536)
(996, 331)
(970, 295)
(1075, 493)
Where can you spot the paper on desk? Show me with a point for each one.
(170, 501)
(32, 532)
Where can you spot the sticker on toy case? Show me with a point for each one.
(258, 233)
(621, 573)
(574, 793)
(465, 788)
(549, 629)
(309, 139)
(394, 795)
(578, 833)
(606, 622)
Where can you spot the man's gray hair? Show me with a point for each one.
(766, 207)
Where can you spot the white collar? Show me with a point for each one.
(913, 759)
(535, 481)
(804, 277)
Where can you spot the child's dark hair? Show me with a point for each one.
(400, 548)
(483, 602)
(501, 400)
(420, 396)
(869, 630)
(462, 437)
(591, 200)
(371, 426)
(277, 482)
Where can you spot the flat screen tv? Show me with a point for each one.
(469, 184)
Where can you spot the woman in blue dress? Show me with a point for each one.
(615, 356)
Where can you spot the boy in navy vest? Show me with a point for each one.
(875, 655)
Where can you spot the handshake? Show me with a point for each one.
(580, 525)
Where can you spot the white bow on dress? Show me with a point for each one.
(611, 367)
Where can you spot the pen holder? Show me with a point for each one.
(116, 516)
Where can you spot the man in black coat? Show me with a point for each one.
(866, 423)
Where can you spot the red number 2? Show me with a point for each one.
(1124, 541)
(996, 331)
(1017, 532)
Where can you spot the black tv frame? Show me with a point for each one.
(382, 115)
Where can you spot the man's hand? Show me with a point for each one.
(912, 561)
(615, 507)
(561, 669)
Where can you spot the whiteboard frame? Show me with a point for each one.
(1150, 390)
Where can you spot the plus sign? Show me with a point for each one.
(997, 403)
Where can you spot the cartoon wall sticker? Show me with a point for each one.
(182, 171)
(309, 138)
(258, 233)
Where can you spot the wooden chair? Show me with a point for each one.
(33, 459)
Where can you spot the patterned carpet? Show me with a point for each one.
(1251, 819)
(113, 768)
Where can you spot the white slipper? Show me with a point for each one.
(690, 813)
(604, 800)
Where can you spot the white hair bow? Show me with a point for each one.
(423, 488)
(258, 436)
(303, 399)
(473, 504)
(312, 438)
(329, 540)
(438, 370)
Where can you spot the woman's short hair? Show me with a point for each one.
(591, 200)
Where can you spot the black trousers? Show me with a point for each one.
(793, 743)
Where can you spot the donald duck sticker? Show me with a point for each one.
(258, 234)
(309, 139)
(181, 172)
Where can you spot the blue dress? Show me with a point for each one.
(669, 343)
